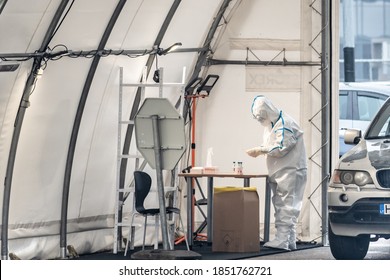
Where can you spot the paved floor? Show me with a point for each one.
(379, 250)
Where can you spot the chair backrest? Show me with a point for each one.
(143, 183)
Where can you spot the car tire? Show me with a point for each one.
(348, 247)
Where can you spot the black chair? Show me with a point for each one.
(143, 183)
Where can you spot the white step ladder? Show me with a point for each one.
(130, 189)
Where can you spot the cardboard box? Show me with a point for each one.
(236, 220)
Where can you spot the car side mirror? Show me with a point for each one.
(352, 136)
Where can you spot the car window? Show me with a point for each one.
(343, 104)
(380, 128)
(368, 106)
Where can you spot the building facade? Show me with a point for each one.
(369, 23)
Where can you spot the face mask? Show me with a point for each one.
(262, 117)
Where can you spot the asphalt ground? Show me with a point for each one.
(379, 250)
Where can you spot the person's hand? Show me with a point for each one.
(254, 152)
(263, 149)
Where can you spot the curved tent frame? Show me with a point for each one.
(203, 60)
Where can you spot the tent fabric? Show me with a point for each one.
(69, 54)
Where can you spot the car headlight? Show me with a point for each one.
(362, 178)
(348, 177)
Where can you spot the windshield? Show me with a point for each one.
(380, 127)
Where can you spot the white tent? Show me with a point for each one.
(59, 99)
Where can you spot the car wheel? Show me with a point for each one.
(347, 247)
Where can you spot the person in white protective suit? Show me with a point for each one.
(286, 162)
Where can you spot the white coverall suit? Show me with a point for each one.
(286, 161)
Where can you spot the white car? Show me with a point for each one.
(358, 104)
(359, 190)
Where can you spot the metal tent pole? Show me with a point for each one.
(160, 181)
(325, 115)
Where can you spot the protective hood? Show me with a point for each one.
(264, 111)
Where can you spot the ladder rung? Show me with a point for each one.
(123, 224)
(140, 85)
(152, 85)
(126, 122)
(131, 156)
(126, 190)
(149, 223)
